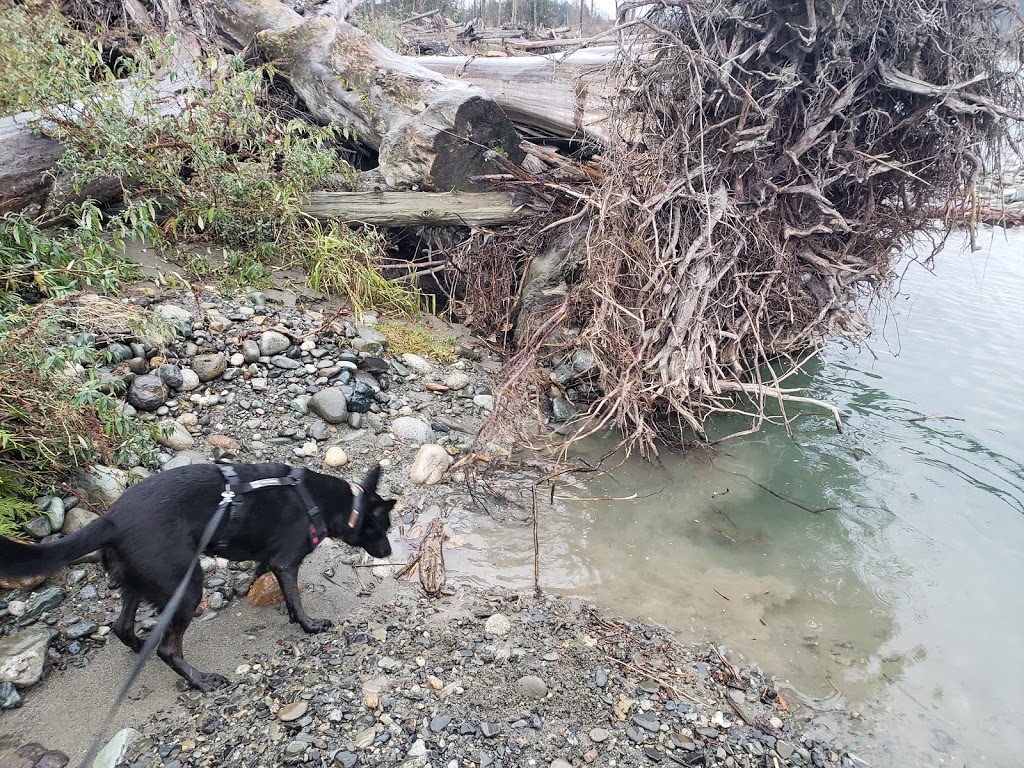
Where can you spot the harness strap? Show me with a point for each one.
(234, 487)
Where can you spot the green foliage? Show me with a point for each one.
(36, 265)
(15, 501)
(55, 417)
(43, 60)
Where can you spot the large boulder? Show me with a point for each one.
(102, 484)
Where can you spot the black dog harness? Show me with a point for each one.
(233, 487)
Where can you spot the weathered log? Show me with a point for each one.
(429, 131)
(411, 209)
(561, 95)
(25, 156)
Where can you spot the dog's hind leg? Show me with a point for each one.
(288, 578)
(170, 648)
(124, 627)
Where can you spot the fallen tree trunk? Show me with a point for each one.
(413, 209)
(430, 131)
(560, 95)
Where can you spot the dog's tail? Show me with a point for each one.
(18, 560)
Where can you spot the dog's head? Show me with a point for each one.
(367, 523)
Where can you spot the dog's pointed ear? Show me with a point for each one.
(371, 480)
(384, 508)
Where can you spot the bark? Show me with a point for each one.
(411, 209)
(430, 131)
(559, 95)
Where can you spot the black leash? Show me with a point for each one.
(156, 635)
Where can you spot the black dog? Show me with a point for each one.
(150, 535)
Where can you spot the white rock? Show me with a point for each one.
(457, 380)
(189, 380)
(173, 313)
(117, 748)
(173, 435)
(23, 655)
(336, 456)
(484, 401)
(429, 465)
(498, 625)
(417, 363)
(309, 449)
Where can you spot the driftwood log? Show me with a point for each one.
(560, 95)
(414, 209)
(430, 131)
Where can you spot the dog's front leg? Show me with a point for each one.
(288, 578)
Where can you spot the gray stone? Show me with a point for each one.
(597, 735)
(38, 526)
(457, 380)
(784, 749)
(330, 405)
(273, 343)
(562, 410)
(118, 352)
(147, 393)
(410, 429)
(216, 601)
(181, 460)
(371, 335)
(43, 600)
(429, 465)
(102, 484)
(76, 519)
(54, 512)
(171, 375)
(439, 722)
(560, 763)
(582, 360)
(80, 629)
(189, 380)
(173, 435)
(489, 730)
(209, 367)
(531, 687)
(138, 366)
(345, 759)
(318, 430)
(250, 351)
(9, 696)
(484, 401)
(173, 313)
(23, 655)
(117, 749)
(285, 363)
(648, 721)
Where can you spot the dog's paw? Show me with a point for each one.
(318, 625)
(210, 681)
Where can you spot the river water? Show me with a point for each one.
(894, 585)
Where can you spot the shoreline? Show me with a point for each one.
(264, 412)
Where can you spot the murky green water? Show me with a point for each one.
(905, 591)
